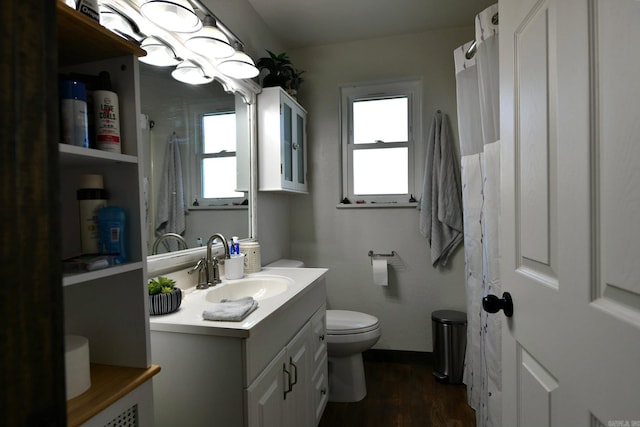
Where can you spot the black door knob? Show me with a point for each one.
(493, 304)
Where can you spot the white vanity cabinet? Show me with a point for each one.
(264, 374)
(320, 367)
(287, 394)
(282, 142)
(108, 306)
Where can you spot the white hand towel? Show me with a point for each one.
(230, 310)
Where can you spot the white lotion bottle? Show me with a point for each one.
(107, 116)
(91, 198)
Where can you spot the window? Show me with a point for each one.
(215, 177)
(380, 124)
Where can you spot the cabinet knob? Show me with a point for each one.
(295, 145)
(323, 391)
(321, 337)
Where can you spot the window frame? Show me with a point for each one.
(412, 90)
(198, 112)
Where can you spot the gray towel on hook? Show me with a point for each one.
(441, 205)
(230, 310)
(171, 207)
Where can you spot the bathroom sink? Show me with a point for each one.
(259, 288)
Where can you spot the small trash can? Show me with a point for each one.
(449, 329)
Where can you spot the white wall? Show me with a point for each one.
(339, 239)
(273, 208)
(244, 22)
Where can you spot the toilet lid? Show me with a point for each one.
(343, 322)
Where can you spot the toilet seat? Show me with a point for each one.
(345, 322)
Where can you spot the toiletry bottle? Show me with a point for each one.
(91, 198)
(73, 112)
(112, 227)
(234, 250)
(107, 116)
(89, 8)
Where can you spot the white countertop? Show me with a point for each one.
(188, 318)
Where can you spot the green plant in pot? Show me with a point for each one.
(164, 297)
(281, 72)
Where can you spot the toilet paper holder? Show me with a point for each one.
(372, 255)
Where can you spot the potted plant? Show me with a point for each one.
(164, 297)
(280, 72)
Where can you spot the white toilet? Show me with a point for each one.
(349, 333)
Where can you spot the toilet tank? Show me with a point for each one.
(286, 263)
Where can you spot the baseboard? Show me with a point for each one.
(398, 356)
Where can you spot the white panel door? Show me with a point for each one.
(570, 215)
(265, 397)
(297, 397)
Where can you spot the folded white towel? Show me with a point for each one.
(230, 310)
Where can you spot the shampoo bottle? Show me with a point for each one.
(107, 116)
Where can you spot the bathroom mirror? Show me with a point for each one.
(190, 120)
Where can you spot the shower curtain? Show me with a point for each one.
(479, 131)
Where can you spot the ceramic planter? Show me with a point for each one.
(165, 303)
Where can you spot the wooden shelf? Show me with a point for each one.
(108, 384)
(81, 39)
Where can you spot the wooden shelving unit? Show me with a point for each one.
(81, 39)
(107, 306)
(109, 383)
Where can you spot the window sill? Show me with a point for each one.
(377, 205)
(219, 208)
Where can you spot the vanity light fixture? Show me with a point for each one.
(191, 73)
(210, 50)
(159, 53)
(210, 41)
(172, 15)
(119, 23)
(239, 65)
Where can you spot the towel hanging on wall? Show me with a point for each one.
(441, 206)
(170, 214)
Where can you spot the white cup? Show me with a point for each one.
(234, 267)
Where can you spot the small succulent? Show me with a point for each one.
(161, 285)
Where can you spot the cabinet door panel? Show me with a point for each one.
(298, 404)
(265, 403)
(319, 330)
(300, 142)
(320, 389)
(287, 142)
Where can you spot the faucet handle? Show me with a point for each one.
(200, 265)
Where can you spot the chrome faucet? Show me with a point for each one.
(212, 271)
(179, 238)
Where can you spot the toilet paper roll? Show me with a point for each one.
(380, 274)
(76, 363)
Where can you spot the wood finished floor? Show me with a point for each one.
(402, 394)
